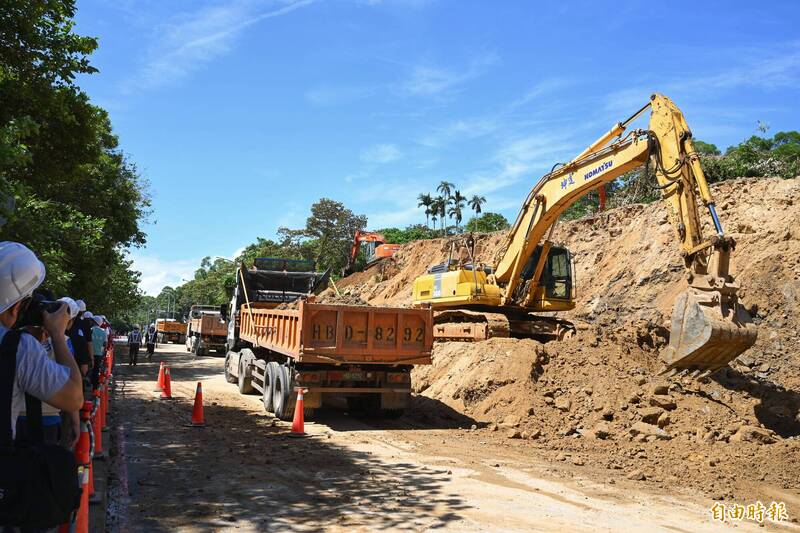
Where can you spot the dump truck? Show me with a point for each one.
(170, 330)
(280, 340)
(206, 330)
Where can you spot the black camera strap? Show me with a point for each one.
(8, 371)
(33, 405)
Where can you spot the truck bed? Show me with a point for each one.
(336, 334)
(209, 325)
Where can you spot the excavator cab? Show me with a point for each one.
(556, 280)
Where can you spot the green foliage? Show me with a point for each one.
(704, 148)
(77, 201)
(488, 222)
(777, 156)
(417, 232)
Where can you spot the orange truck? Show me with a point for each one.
(206, 330)
(354, 354)
(170, 330)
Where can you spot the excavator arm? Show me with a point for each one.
(709, 326)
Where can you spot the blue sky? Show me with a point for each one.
(241, 114)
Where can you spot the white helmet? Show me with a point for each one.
(71, 305)
(88, 314)
(21, 272)
(81, 306)
(98, 320)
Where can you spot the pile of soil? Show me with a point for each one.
(596, 396)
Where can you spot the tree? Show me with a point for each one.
(445, 187)
(425, 200)
(328, 233)
(457, 202)
(475, 203)
(704, 148)
(438, 207)
(77, 201)
(489, 222)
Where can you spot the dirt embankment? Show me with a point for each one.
(596, 396)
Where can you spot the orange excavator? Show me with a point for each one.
(377, 249)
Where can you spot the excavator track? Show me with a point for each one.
(473, 326)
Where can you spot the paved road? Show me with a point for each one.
(242, 472)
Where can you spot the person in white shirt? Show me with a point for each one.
(57, 382)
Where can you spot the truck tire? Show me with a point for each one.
(230, 378)
(245, 381)
(269, 386)
(281, 397)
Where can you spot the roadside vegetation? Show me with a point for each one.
(67, 190)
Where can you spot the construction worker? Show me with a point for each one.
(150, 339)
(56, 382)
(134, 339)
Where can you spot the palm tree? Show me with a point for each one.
(457, 204)
(438, 210)
(425, 200)
(445, 187)
(475, 203)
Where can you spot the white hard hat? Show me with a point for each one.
(98, 320)
(88, 314)
(81, 306)
(21, 272)
(72, 306)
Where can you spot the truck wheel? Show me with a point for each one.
(269, 386)
(281, 398)
(230, 378)
(245, 381)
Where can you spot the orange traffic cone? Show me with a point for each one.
(97, 428)
(160, 382)
(83, 457)
(166, 392)
(298, 424)
(198, 418)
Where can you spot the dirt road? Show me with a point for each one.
(243, 472)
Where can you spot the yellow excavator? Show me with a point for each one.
(709, 327)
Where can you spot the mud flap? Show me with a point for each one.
(706, 334)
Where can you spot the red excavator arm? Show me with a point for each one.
(361, 236)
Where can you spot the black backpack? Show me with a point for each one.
(39, 485)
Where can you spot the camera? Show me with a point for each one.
(34, 313)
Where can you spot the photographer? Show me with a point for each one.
(51, 416)
(99, 338)
(56, 382)
(79, 340)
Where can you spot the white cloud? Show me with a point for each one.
(381, 153)
(191, 40)
(428, 80)
(157, 272)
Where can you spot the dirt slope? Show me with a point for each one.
(596, 396)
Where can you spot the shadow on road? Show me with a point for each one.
(244, 471)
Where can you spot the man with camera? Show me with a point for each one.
(39, 486)
(57, 382)
(80, 341)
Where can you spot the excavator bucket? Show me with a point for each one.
(706, 334)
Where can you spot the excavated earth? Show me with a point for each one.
(596, 398)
